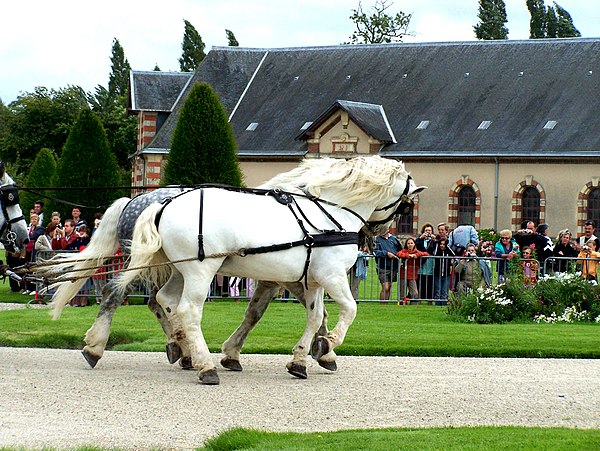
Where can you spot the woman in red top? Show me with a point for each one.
(410, 269)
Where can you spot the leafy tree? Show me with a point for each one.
(550, 22)
(232, 41)
(87, 161)
(566, 28)
(41, 175)
(121, 129)
(192, 47)
(40, 119)
(156, 68)
(203, 149)
(118, 81)
(492, 20)
(379, 27)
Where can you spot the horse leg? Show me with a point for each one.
(338, 288)
(264, 292)
(97, 336)
(314, 313)
(167, 299)
(316, 348)
(197, 278)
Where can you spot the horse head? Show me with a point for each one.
(400, 202)
(13, 228)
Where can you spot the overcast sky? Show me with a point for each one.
(68, 42)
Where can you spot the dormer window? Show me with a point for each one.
(252, 126)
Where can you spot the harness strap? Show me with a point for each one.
(201, 254)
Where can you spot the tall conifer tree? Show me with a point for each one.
(192, 49)
(41, 175)
(87, 161)
(118, 81)
(492, 17)
(203, 149)
(232, 41)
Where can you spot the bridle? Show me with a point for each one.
(9, 196)
(402, 206)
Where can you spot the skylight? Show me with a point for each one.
(423, 125)
(550, 125)
(306, 125)
(252, 126)
(484, 125)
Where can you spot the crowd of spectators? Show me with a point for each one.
(460, 265)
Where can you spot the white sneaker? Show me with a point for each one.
(25, 292)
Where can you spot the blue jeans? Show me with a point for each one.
(441, 285)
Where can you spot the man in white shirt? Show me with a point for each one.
(588, 234)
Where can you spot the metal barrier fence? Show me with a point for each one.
(425, 280)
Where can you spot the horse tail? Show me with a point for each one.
(147, 261)
(104, 243)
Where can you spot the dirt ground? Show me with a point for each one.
(51, 398)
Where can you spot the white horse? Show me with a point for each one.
(116, 227)
(13, 227)
(301, 240)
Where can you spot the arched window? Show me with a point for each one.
(530, 200)
(593, 212)
(466, 206)
(404, 225)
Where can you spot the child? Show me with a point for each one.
(409, 271)
(529, 266)
(589, 267)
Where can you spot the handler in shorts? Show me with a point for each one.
(386, 248)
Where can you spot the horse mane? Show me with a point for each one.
(348, 182)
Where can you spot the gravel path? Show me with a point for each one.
(51, 398)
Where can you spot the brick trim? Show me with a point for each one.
(465, 180)
(517, 201)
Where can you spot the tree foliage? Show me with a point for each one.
(203, 149)
(40, 119)
(87, 161)
(41, 175)
(118, 81)
(231, 40)
(121, 128)
(192, 49)
(379, 27)
(492, 20)
(550, 22)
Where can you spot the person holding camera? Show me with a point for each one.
(472, 272)
(65, 239)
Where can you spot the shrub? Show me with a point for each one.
(561, 297)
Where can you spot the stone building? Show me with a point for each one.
(500, 131)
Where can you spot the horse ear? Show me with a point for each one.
(418, 189)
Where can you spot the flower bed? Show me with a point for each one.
(563, 297)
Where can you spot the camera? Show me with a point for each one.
(585, 247)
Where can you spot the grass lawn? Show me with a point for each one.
(379, 329)
(461, 438)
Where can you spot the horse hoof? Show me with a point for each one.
(91, 359)
(331, 366)
(319, 347)
(231, 364)
(186, 363)
(173, 352)
(297, 370)
(209, 377)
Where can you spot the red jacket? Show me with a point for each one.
(411, 264)
(64, 244)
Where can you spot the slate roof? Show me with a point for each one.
(156, 91)
(518, 86)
